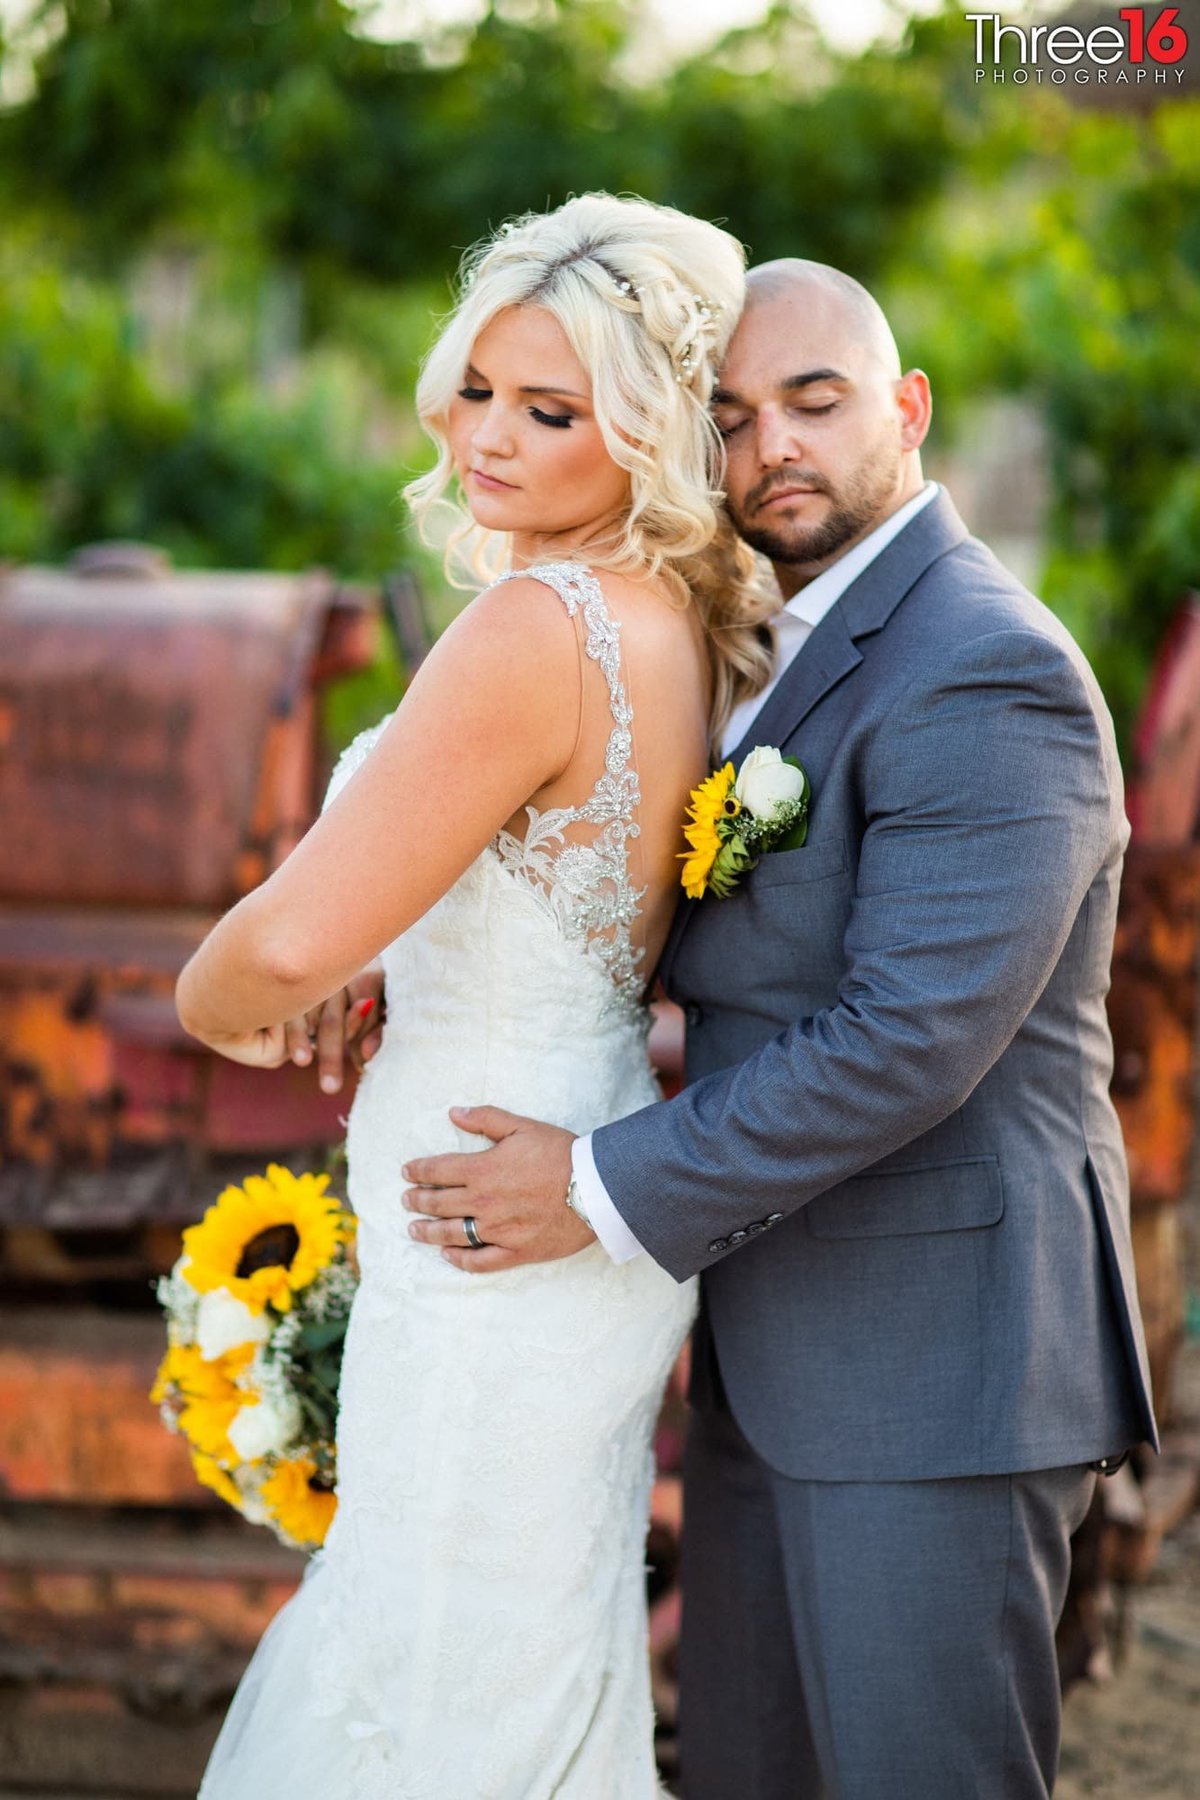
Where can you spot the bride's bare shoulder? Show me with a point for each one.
(516, 631)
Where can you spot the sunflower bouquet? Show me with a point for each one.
(256, 1310)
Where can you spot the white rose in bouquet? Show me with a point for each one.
(265, 1428)
(253, 1507)
(767, 782)
(224, 1323)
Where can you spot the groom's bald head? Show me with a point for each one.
(822, 429)
(846, 303)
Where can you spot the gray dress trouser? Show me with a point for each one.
(868, 1640)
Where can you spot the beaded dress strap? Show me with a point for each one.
(588, 886)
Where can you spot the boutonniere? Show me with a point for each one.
(735, 819)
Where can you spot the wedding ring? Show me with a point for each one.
(473, 1237)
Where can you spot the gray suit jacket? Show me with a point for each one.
(897, 1164)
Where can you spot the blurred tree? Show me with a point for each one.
(92, 447)
(275, 125)
(275, 128)
(1070, 272)
(309, 190)
(800, 152)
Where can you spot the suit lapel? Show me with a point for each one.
(832, 652)
(829, 654)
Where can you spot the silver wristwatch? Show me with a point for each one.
(575, 1202)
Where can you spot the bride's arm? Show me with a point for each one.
(491, 717)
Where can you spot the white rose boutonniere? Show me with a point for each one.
(766, 782)
(735, 819)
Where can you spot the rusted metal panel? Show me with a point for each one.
(94, 1064)
(1164, 793)
(162, 723)
(1157, 1237)
(1153, 999)
(82, 1741)
(75, 1418)
(121, 1639)
(211, 1581)
(350, 635)
(1152, 1010)
(65, 942)
(158, 757)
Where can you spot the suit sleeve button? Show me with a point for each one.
(717, 1245)
(758, 1225)
(773, 1218)
(738, 1237)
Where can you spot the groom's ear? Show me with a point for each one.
(914, 402)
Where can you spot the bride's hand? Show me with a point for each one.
(347, 1025)
(265, 1048)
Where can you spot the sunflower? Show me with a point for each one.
(712, 801)
(265, 1240)
(209, 1471)
(302, 1509)
(203, 1395)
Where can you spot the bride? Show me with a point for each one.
(474, 1624)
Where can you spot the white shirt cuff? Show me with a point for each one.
(607, 1223)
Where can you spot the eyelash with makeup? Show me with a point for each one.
(559, 420)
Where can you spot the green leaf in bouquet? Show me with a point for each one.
(797, 836)
(326, 1370)
(732, 860)
(319, 1409)
(321, 1333)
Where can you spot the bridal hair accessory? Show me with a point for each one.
(256, 1310)
(687, 351)
(687, 357)
(688, 347)
(735, 819)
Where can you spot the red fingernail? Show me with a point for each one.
(364, 1007)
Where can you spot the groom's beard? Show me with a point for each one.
(856, 507)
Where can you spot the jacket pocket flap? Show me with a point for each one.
(953, 1196)
(812, 862)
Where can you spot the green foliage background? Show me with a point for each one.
(226, 227)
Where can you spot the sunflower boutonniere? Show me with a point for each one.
(735, 819)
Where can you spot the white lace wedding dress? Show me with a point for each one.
(474, 1625)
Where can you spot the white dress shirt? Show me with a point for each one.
(792, 629)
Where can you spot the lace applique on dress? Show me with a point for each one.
(354, 756)
(586, 887)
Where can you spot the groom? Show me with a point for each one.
(896, 1165)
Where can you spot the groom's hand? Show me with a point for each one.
(515, 1192)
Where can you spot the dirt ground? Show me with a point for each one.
(1138, 1737)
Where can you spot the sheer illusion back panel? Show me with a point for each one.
(605, 854)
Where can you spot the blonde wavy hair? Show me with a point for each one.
(648, 298)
